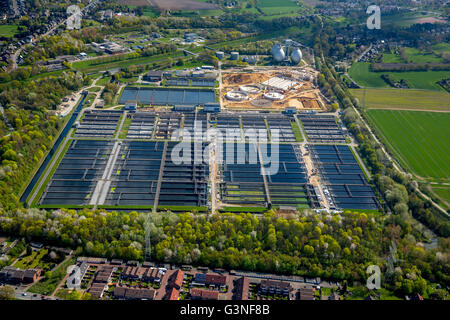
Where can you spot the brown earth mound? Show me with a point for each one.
(245, 78)
(429, 20)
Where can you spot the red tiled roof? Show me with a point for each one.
(134, 293)
(215, 279)
(306, 294)
(119, 291)
(242, 286)
(211, 295)
(204, 294)
(174, 294)
(178, 278)
(196, 292)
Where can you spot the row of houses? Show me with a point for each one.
(275, 287)
(204, 294)
(131, 293)
(209, 279)
(204, 285)
(174, 285)
(101, 280)
(241, 289)
(143, 274)
(17, 276)
(92, 260)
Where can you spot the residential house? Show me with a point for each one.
(148, 264)
(176, 280)
(241, 288)
(306, 294)
(97, 289)
(334, 296)
(133, 273)
(116, 262)
(16, 276)
(152, 275)
(204, 294)
(91, 260)
(31, 275)
(104, 274)
(173, 294)
(132, 263)
(215, 280)
(131, 293)
(275, 287)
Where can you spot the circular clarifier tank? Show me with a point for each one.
(250, 89)
(274, 96)
(236, 95)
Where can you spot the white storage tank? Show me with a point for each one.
(278, 53)
(220, 55)
(234, 55)
(296, 56)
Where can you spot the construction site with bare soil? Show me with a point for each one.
(271, 89)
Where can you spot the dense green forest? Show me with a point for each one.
(27, 105)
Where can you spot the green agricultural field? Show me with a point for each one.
(419, 140)
(443, 47)
(415, 56)
(150, 12)
(406, 99)
(277, 7)
(392, 58)
(211, 13)
(422, 79)
(360, 72)
(278, 16)
(8, 30)
(405, 19)
(443, 193)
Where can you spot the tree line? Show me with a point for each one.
(337, 247)
(28, 108)
(397, 190)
